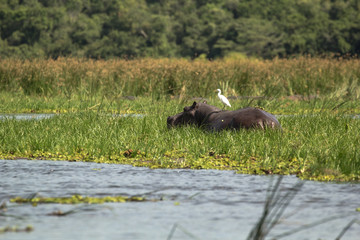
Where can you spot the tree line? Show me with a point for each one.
(178, 28)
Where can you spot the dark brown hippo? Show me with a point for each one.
(215, 119)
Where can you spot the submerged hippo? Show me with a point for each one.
(214, 119)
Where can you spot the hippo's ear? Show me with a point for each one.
(204, 101)
(194, 104)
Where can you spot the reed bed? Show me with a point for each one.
(82, 78)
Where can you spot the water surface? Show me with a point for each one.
(208, 204)
(39, 116)
(27, 116)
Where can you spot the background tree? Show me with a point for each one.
(178, 28)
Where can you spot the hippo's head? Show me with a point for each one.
(183, 118)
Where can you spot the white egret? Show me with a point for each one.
(223, 99)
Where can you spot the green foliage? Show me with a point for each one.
(187, 28)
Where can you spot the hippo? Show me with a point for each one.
(215, 119)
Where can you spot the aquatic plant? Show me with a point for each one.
(276, 203)
(76, 199)
(16, 229)
(274, 207)
(185, 231)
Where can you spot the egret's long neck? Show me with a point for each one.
(219, 93)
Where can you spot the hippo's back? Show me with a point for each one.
(251, 117)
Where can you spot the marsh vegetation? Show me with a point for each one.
(315, 99)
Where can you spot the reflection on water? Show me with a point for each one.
(209, 204)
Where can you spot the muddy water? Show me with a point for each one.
(206, 204)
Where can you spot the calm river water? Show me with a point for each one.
(205, 204)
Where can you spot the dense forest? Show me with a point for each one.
(178, 28)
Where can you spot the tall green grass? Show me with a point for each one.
(320, 146)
